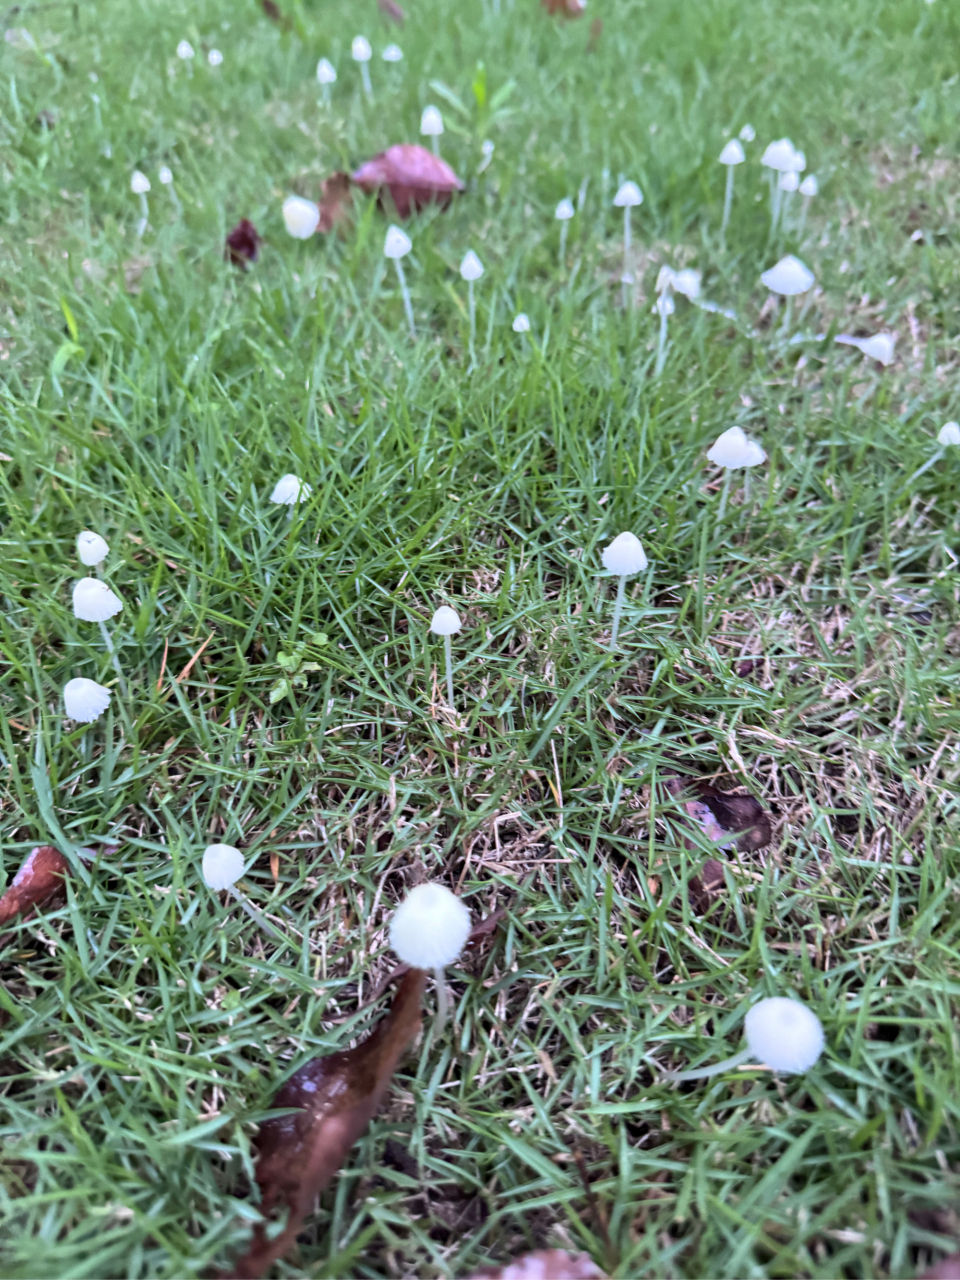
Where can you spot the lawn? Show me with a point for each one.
(284, 695)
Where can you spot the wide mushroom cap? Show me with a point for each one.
(91, 548)
(222, 866)
(85, 700)
(289, 490)
(789, 277)
(949, 433)
(93, 601)
(735, 449)
(628, 196)
(430, 927)
(733, 152)
(300, 217)
(784, 1034)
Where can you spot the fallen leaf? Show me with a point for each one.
(335, 1098)
(39, 880)
(273, 12)
(489, 924)
(724, 816)
(566, 8)
(243, 243)
(335, 201)
(947, 1268)
(390, 9)
(544, 1264)
(414, 177)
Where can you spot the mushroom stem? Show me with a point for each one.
(447, 649)
(704, 1073)
(662, 345)
(617, 611)
(144, 215)
(254, 914)
(116, 661)
(927, 465)
(407, 304)
(723, 494)
(435, 143)
(727, 201)
(326, 95)
(563, 243)
(787, 317)
(367, 86)
(746, 487)
(626, 251)
(803, 217)
(473, 322)
(443, 1003)
(777, 196)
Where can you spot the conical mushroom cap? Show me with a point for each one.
(788, 181)
(289, 490)
(471, 268)
(748, 133)
(139, 183)
(326, 72)
(733, 152)
(624, 556)
(85, 700)
(790, 276)
(949, 433)
(445, 622)
(93, 601)
(392, 53)
(431, 122)
(521, 323)
(779, 155)
(628, 196)
(222, 866)
(784, 1034)
(564, 211)
(735, 449)
(360, 49)
(300, 217)
(430, 927)
(91, 548)
(809, 186)
(397, 244)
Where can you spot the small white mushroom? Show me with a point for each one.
(392, 53)
(165, 174)
(788, 277)
(879, 347)
(361, 52)
(780, 157)
(215, 58)
(222, 867)
(300, 217)
(487, 149)
(93, 601)
(624, 557)
(563, 213)
(85, 700)
(326, 76)
(185, 50)
(748, 133)
(446, 622)
(521, 322)
(428, 930)
(289, 490)
(949, 434)
(396, 246)
(732, 450)
(471, 268)
(781, 1034)
(788, 181)
(809, 187)
(431, 126)
(731, 155)
(628, 197)
(91, 548)
(140, 185)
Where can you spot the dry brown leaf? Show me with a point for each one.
(335, 201)
(335, 1098)
(565, 8)
(274, 13)
(390, 9)
(545, 1264)
(414, 177)
(243, 243)
(724, 816)
(39, 881)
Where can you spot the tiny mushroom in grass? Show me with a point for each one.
(628, 197)
(446, 622)
(185, 50)
(396, 246)
(563, 213)
(949, 433)
(732, 450)
(140, 185)
(392, 53)
(85, 700)
(809, 188)
(788, 277)
(93, 601)
(289, 490)
(780, 157)
(782, 1034)
(222, 867)
(361, 52)
(624, 557)
(300, 217)
(748, 133)
(731, 155)
(431, 126)
(91, 548)
(880, 347)
(326, 76)
(471, 268)
(215, 58)
(428, 930)
(521, 322)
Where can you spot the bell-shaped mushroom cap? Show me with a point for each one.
(628, 196)
(624, 556)
(392, 53)
(949, 433)
(799, 162)
(289, 490)
(687, 282)
(300, 217)
(735, 449)
(431, 122)
(430, 927)
(665, 305)
(326, 72)
(809, 186)
(360, 49)
(784, 1034)
(521, 322)
(85, 700)
(733, 152)
(397, 244)
(139, 183)
(780, 155)
(222, 866)
(748, 133)
(215, 58)
(788, 277)
(788, 181)
(564, 210)
(471, 268)
(93, 601)
(445, 622)
(185, 50)
(91, 548)
(165, 174)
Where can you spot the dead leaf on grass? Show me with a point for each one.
(275, 14)
(335, 201)
(726, 817)
(544, 1264)
(334, 1098)
(414, 177)
(39, 881)
(243, 244)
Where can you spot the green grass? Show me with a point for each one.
(145, 1027)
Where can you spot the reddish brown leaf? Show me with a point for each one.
(335, 1098)
(243, 243)
(38, 881)
(724, 816)
(566, 8)
(335, 201)
(414, 177)
(390, 9)
(947, 1268)
(706, 888)
(274, 13)
(545, 1264)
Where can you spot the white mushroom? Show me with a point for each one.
(300, 217)
(392, 53)
(290, 490)
(85, 700)
(781, 1034)
(91, 548)
(396, 246)
(624, 557)
(471, 268)
(731, 155)
(628, 197)
(93, 601)
(361, 52)
(446, 622)
(431, 126)
(563, 213)
(949, 434)
(428, 930)
(521, 322)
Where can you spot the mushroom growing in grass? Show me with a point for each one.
(446, 622)
(471, 268)
(782, 1034)
(300, 217)
(787, 183)
(665, 308)
(732, 450)
(809, 188)
(879, 347)
(431, 126)
(780, 157)
(429, 929)
(93, 601)
(222, 867)
(140, 185)
(564, 212)
(165, 174)
(85, 700)
(392, 53)
(947, 437)
(748, 133)
(628, 197)
(788, 277)
(396, 246)
(624, 557)
(521, 322)
(361, 52)
(326, 76)
(92, 549)
(290, 490)
(731, 155)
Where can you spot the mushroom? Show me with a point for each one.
(91, 548)
(215, 58)
(487, 149)
(787, 184)
(665, 307)
(521, 322)
(326, 76)
(300, 217)
(361, 52)
(222, 867)
(165, 174)
(428, 930)
(627, 198)
(431, 126)
(731, 155)
(140, 185)
(624, 557)
(732, 450)
(185, 51)
(290, 490)
(564, 212)
(446, 622)
(392, 53)
(396, 246)
(471, 268)
(788, 277)
(947, 436)
(93, 601)
(782, 1034)
(748, 133)
(85, 700)
(780, 157)
(879, 347)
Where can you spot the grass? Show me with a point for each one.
(146, 1025)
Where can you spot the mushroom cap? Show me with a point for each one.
(392, 53)
(431, 122)
(790, 276)
(215, 57)
(289, 490)
(445, 621)
(799, 161)
(665, 305)
(734, 448)
(165, 174)
(780, 155)
(810, 186)
(521, 322)
(360, 49)
(222, 866)
(300, 217)
(748, 133)
(397, 243)
(628, 196)
(471, 268)
(789, 181)
(624, 556)
(85, 700)
(733, 152)
(139, 183)
(414, 176)
(949, 433)
(185, 50)
(91, 548)
(93, 601)
(564, 210)
(665, 278)
(784, 1034)
(687, 282)
(430, 927)
(326, 72)
(879, 347)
